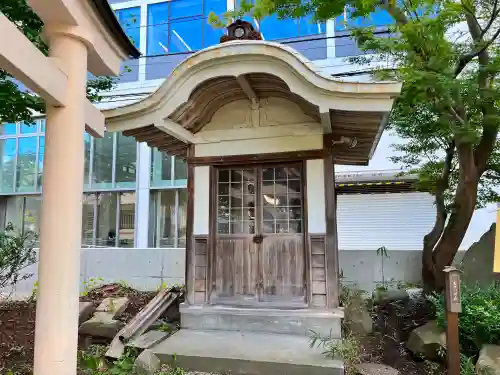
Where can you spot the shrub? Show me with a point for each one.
(16, 253)
(479, 321)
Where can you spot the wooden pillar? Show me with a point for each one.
(331, 243)
(190, 245)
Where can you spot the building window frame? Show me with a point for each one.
(155, 194)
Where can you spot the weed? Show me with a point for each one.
(96, 364)
(348, 349)
(90, 284)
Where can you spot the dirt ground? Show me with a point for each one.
(17, 325)
(393, 323)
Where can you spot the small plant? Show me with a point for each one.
(172, 369)
(467, 366)
(96, 363)
(382, 253)
(479, 321)
(165, 328)
(16, 253)
(162, 286)
(348, 349)
(90, 284)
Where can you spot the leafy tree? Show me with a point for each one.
(446, 53)
(16, 253)
(20, 105)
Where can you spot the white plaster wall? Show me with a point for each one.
(260, 146)
(201, 200)
(315, 180)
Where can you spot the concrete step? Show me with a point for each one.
(230, 352)
(290, 322)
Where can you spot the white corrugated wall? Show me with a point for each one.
(397, 221)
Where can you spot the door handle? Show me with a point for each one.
(258, 238)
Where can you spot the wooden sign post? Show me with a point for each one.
(453, 307)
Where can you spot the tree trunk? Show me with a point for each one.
(442, 243)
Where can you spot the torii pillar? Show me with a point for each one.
(82, 36)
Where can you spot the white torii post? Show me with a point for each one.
(78, 41)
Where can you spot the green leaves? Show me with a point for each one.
(16, 105)
(479, 321)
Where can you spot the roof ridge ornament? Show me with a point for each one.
(241, 30)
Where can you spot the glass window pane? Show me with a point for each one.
(157, 37)
(307, 26)
(211, 35)
(106, 220)
(32, 214)
(88, 142)
(185, 8)
(42, 123)
(127, 220)
(14, 212)
(8, 164)
(26, 164)
(89, 201)
(102, 165)
(161, 169)
(126, 156)
(27, 128)
(166, 219)
(40, 163)
(180, 172)
(181, 219)
(8, 128)
(273, 28)
(182, 37)
(130, 19)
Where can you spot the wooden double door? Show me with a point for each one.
(258, 251)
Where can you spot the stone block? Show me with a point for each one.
(101, 325)
(427, 340)
(148, 339)
(381, 296)
(113, 306)
(358, 318)
(488, 362)
(85, 311)
(375, 369)
(147, 363)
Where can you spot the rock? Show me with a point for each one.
(147, 363)
(477, 263)
(488, 362)
(101, 325)
(86, 310)
(375, 369)
(358, 318)
(113, 306)
(148, 339)
(427, 340)
(390, 295)
(414, 292)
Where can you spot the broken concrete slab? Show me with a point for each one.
(375, 369)
(101, 325)
(148, 339)
(427, 340)
(113, 306)
(488, 362)
(147, 363)
(85, 311)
